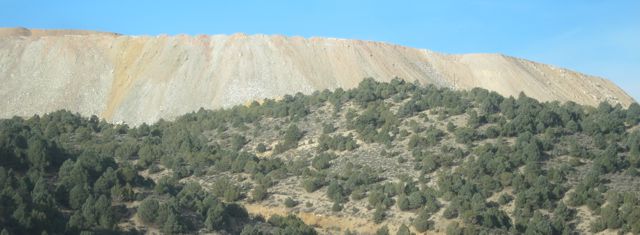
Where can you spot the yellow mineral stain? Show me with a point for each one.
(125, 72)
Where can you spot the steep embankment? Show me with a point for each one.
(144, 78)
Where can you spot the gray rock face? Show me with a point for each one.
(138, 79)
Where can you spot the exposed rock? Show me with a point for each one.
(139, 79)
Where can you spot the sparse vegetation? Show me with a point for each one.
(485, 163)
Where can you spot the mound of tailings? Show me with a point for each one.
(139, 79)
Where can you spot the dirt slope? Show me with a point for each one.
(139, 79)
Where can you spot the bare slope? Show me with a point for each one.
(144, 78)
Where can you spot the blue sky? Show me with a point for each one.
(596, 37)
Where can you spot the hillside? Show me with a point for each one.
(394, 156)
(137, 79)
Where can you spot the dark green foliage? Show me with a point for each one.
(539, 224)
(292, 134)
(122, 193)
(451, 127)
(633, 144)
(450, 213)
(492, 132)
(605, 119)
(172, 224)
(403, 230)
(291, 137)
(422, 222)
(231, 194)
(338, 142)
(403, 202)
(587, 192)
(127, 150)
(384, 230)
(378, 197)
(237, 141)
(369, 90)
(322, 161)
(148, 210)
(633, 114)
(348, 232)
(165, 184)
(93, 214)
(431, 137)
(379, 214)
(226, 189)
(261, 148)
(105, 218)
(289, 202)
(474, 120)
(336, 207)
(454, 229)
(336, 192)
(427, 161)
(60, 175)
(504, 199)
(259, 193)
(217, 214)
(358, 193)
(77, 196)
(59, 172)
(375, 124)
(312, 184)
(620, 212)
(415, 200)
(328, 128)
(290, 225)
(465, 135)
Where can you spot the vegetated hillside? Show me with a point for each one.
(139, 79)
(394, 157)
